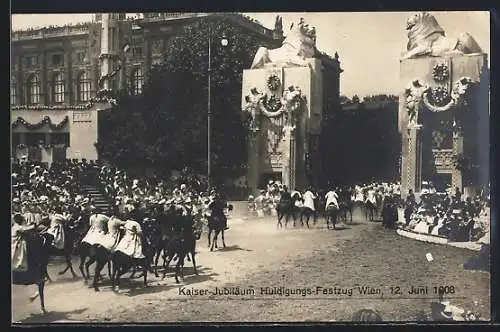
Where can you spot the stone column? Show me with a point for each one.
(44, 85)
(289, 168)
(413, 162)
(458, 149)
(253, 167)
(68, 77)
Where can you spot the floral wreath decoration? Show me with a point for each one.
(440, 72)
(273, 83)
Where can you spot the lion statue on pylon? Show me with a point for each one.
(427, 38)
(298, 46)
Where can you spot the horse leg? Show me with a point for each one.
(114, 275)
(145, 273)
(68, 261)
(134, 269)
(109, 268)
(280, 216)
(214, 241)
(177, 270)
(83, 256)
(97, 274)
(46, 273)
(168, 262)
(209, 235)
(307, 220)
(223, 242)
(194, 262)
(87, 265)
(41, 288)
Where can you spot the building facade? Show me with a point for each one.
(56, 73)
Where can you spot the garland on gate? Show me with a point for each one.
(102, 96)
(45, 121)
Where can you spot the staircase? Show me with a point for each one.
(98, 199)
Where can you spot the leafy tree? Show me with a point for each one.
(166, 127)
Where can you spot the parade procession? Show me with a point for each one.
(165, 165)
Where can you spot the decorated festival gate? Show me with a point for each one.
(443, 121)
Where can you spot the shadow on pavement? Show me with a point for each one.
(138, 288)
(50, 316)
(67, 280)
(204, 274)
(232, 248)
(340, 228)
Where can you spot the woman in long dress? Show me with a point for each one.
(19, 254)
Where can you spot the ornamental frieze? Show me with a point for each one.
(420, 94)
(289, 105)
(443, 159)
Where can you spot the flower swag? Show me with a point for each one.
(45, 121)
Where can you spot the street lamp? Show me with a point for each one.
(224, 43)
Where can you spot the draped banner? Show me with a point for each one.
(274, 125)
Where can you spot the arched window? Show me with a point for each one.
(83, 87)
(33, 90)
(137, 81)
(13, 93)
(58, 88)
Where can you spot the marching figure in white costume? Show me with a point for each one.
(98, 224)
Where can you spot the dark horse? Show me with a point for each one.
(217, 222)
(180, 246)
(286, 208)
(37, 251)
(346, 205)
(331, 215)
(70, 233)
(122, 263)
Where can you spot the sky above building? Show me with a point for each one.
(369, 44)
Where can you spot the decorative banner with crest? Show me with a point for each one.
(272, 104)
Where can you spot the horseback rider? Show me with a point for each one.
(332, 199)
(217, 207)
(111, 239)
(56, 228)
(98, 225)
(309, 198)
(131, 242)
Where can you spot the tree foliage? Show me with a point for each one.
(166, 127)
(361, 141)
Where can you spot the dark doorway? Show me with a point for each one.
(441, 181)
(266, 177)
